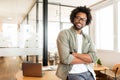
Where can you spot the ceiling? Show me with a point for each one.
(14, 11)
(77, 2)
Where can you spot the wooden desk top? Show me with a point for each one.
(47, 75)
(50, 75)
(100, 67)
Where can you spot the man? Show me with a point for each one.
(76, 50)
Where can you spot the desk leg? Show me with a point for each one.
(37, 58)
(26, 58)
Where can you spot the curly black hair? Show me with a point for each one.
(83, 9)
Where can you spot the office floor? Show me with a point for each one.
(9, 67)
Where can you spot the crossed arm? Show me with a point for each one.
(81, 58)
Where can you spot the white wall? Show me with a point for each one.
(109, 58)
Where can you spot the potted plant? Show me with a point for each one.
(99, 62)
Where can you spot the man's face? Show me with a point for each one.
(80, 20)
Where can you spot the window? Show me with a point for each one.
(119, 26)
(53, 30)
(66, 25)
(104, 28)
(9, 35)
(53, 26)
(65, 13)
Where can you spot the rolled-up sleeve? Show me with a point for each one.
(64, 48)
(92, 51)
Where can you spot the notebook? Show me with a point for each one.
(32, 69)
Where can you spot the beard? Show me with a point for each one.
(77, 28)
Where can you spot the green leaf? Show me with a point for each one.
(99, 62)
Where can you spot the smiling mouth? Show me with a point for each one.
(78, 25)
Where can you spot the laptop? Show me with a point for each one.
(32, 69)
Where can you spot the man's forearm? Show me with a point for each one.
(84, 57)
(78, 61)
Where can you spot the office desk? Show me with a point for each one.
(47, 75)
(98, 67)
(50, 75)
